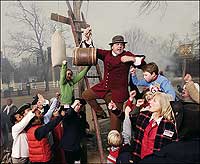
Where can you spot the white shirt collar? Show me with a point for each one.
(114, 54)
(157, 121)
(113, 148)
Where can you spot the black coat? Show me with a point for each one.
(13, 109)
(187, 116)
(186, 151)
(73, 130)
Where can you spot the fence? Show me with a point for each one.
(20, 89)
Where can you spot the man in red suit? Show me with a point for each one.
(114, 85)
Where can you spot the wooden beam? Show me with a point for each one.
(60, 18)
(70, 10)
(82, 23)
(73, 28)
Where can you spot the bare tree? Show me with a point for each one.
(195, 38)
(168, 46)
(26, 69)
(31, 40)
(7, 70)
(137, 39)
(156, 49)
(172, 43)
(149, 6)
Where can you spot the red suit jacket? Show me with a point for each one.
(115, 76)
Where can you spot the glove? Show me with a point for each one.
(64, 62)
(139, 61)
(87, 35)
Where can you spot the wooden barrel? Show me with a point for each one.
(84, 56)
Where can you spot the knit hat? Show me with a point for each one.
(193, 90)
(197, 86)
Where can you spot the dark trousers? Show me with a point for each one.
(72, 156)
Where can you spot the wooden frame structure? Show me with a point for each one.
(76, 24)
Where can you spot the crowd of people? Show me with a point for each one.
(156, 125)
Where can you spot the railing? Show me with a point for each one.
(20, 89)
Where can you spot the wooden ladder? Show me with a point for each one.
(96, 125)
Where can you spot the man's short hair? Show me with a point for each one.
(68, 69)
(150, 67)
(82, 101)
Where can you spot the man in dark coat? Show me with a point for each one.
(9, 109)
(4, 133)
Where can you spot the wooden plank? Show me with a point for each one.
(60, 18)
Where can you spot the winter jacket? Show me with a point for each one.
(39, 151)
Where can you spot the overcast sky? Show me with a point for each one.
(112, 17)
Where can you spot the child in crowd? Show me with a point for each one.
(115, 142)
(153, 79)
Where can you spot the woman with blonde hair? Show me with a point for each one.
(154, 127)
(166, 109)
